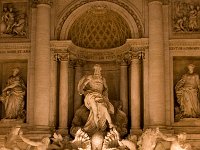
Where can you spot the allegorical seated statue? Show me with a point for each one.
(13, 96)
(97, 113)
(187, 92)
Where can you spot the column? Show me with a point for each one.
(156, 65)
(124, 86)
(31, 70)
(63, 94)
(135, 94)
(42, 64)
(169, 118)
(53, 119)
(78, 75)
(71, 92)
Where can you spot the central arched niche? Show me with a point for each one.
(125, 15)
(99, 28)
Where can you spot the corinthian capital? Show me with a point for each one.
(125, 58)
(61, 57)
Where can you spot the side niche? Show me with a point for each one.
(186, 89)
(186, 16)
(13, 101)
(14, 19)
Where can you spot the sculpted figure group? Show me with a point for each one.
(12, 23)
(98, 130)
(112, 141)
(186, 17)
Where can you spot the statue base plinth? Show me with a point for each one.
(187, 122)
(12, 121)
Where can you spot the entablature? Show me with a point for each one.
(133, 46)
(184, 44)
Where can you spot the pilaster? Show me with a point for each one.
(156, 65)
(42, 66)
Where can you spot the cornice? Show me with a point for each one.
(132, 46)
(15, 48)
(15, 45)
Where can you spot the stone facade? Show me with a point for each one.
(143, 46)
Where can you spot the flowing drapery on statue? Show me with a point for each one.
(13, 96)
(187, 91)
(95, 89)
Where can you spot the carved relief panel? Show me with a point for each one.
(186, 16)
(14, 19)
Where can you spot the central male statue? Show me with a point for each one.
(95, 89)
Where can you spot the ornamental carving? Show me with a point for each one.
(135, 48)
(49, 2)
(81, 3)
(99, 28)
(14, 48)
(130, 56)
(14, 20)
(61, 56)
(186, 16)
(184, 44)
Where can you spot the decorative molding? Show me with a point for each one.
(59, 53)
(131, 47)
(157, 0)
(184, 44)
(130, 56)
(81, 3)
(79, 62)
(124, 58)
(36, 2)
(61, 56)
(10, 48)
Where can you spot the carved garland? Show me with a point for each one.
(131, 12)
